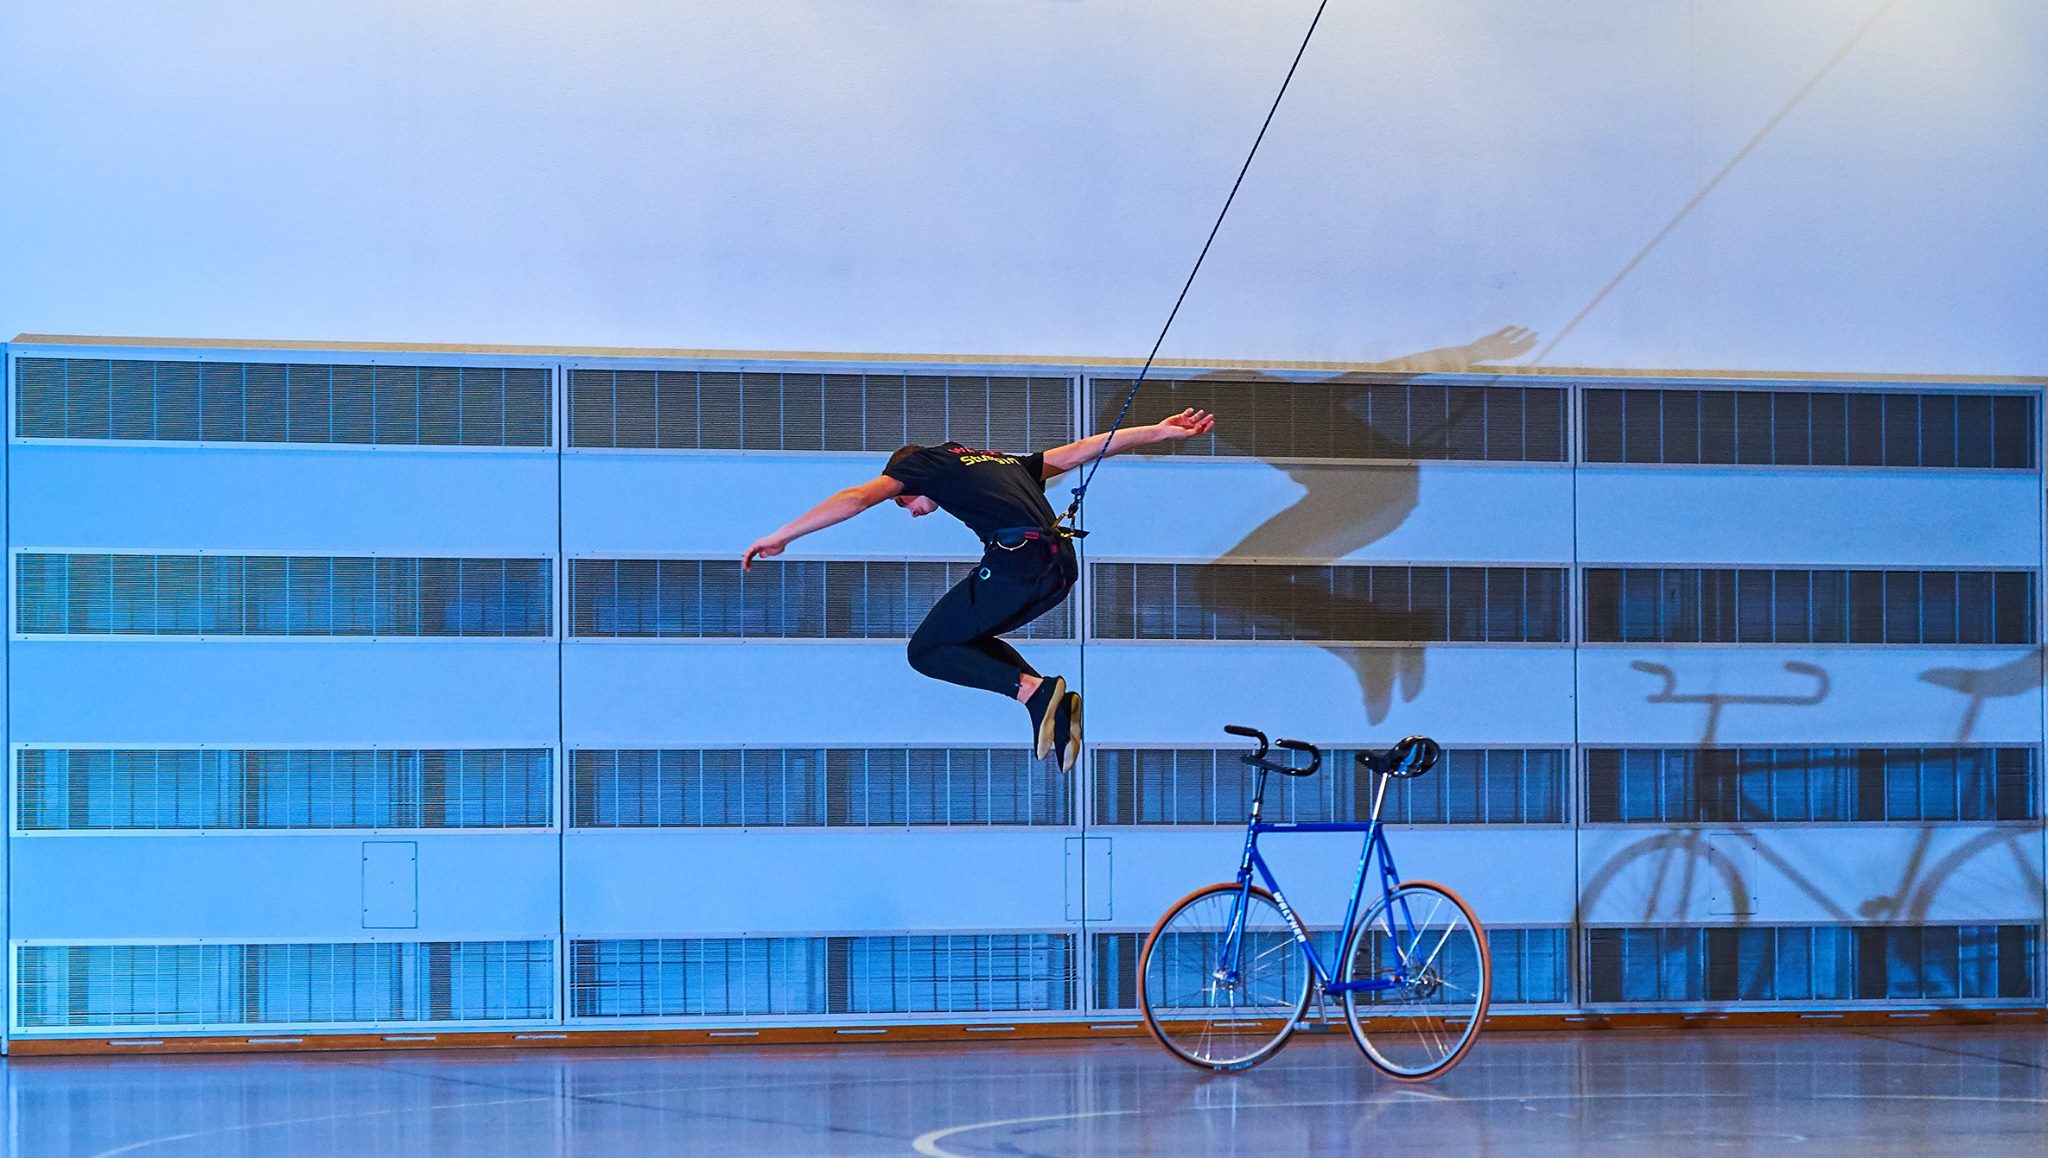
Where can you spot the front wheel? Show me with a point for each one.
(1219, 992)
(1422, 941)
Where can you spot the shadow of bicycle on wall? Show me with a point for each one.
(1978, 685)
(1667, 869)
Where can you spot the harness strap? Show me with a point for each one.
(1023, 535)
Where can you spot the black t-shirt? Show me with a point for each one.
(988, 490)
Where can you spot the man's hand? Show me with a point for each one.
(1186, 424)
(766, 548)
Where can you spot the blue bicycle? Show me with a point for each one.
(1223, 989)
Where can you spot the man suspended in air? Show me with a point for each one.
(1027, 566)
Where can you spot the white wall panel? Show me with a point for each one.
(1511, 876)
(1834, 874)
(256, 499)
(1845, 695)
(1185, 693)
(1808, 517)
(472, 886)
(1195, 510)
(714, 883)
(325, 693)
(715, 503)
(771, 693)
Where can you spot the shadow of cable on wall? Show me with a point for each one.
(1359, 467)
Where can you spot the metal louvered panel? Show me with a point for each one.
(309, 403)
(1755, 605)
(767, 410)
(714, 977)
(1192, 786)
(1353, 417)
(778, 599)
(1811, 428)
(174, 401)
(824, 976)
(176, 397)
(305, 595)
(1810, 785)
(351, 404)
(814, 787)
(88, 402)
(1812, 963)
(181, 986)
(1531, 966)
(151, 789)
(40, 398)
(961, 973)
(1328, 604)
(266, 395)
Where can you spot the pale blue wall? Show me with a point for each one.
(1034, 176)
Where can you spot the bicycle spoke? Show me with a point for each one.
(1417, 927)
(1276, 947)
(1218, 987)
(1441, 942)
(1422, 1026)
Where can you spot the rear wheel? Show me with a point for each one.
(1423, 938)
(1217, 1014)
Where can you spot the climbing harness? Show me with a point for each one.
(1016, 538)
(1066, 525)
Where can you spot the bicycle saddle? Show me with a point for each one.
(1258, 759)
(1411, 757)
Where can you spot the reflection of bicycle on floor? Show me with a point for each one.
(1223, 988)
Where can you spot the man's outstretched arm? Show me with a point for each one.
(842, 506)
(1186, 424)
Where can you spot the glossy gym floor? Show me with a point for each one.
(1850, 1092)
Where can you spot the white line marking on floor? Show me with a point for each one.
(132, 1147)
(927, 1144)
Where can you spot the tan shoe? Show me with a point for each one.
(1044, 706)
(1067, 731)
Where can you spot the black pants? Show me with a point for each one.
(957, 642)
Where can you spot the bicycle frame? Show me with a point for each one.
(1375, 852)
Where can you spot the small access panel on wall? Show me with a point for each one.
(391, 884)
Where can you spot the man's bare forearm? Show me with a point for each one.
(1075, 454)
(833, 511)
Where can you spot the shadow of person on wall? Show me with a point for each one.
(1360, 476)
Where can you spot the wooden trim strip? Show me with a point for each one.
(584, 1038)
(1084, 363)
